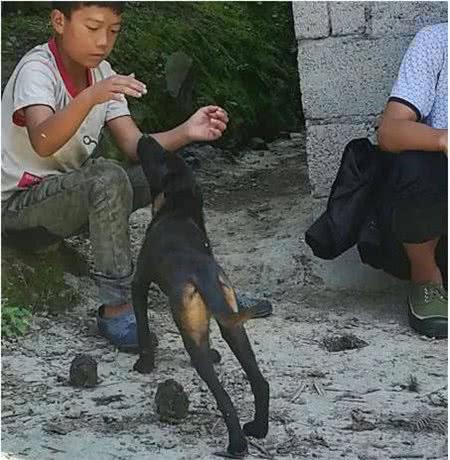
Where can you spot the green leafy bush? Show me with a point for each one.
(15, 320)
(242, 54)
(33, 282)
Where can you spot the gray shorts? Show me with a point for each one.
(99, 196)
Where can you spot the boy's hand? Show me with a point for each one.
(113, 88)
(207, 124)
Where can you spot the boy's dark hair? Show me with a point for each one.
(67, 8)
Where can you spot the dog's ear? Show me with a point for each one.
(153, 161)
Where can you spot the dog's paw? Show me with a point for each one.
(144, 365)
(235, 450)
(256, 429)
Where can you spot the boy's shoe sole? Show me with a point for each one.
(263, 307)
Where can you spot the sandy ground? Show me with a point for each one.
(385, 400)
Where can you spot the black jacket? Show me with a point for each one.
(352, 214)
(358, 213)
(350, 202)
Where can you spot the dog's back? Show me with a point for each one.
(177, 253)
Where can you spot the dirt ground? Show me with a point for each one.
(386, 399)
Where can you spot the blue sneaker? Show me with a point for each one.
(263, 306)
(121, 330)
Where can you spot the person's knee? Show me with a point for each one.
(420, 176)
(109, 182)
(420, 166)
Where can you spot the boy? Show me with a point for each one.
(415, 191)
(54, 106)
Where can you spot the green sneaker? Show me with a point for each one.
(428, 309)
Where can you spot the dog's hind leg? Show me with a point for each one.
(147, 340)
(192, 319)
(201, 359)
(237, 339)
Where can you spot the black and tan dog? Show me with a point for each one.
(176, 255)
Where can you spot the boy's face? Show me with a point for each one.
(89, 35)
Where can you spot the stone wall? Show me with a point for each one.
(348, 56)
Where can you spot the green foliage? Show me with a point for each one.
(31, 282)
(15, 320)
(243, 58)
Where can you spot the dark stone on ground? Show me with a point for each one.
(344, 342)
(172, 403)
(83, 371)
(256, 143)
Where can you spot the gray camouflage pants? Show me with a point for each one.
(101, 194)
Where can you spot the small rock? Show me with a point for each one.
(109, 358)
(344, 342)
(171, 401)
(83, 371)
(193, 162)
(360, 423)
(56, 428)
(74, 413)
(256, 143)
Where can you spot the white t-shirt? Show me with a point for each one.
(41, 79)
(422, 82)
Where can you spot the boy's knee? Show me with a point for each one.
(115, 176)
(109, 180)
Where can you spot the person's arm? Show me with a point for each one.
(413, 97)
(207, 124)
(399, 131)
(127, 135)
(49, 130)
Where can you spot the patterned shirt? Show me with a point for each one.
(422, 80)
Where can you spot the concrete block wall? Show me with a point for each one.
(348, 57)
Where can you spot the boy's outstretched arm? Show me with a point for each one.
(207, 124)
(49, 131)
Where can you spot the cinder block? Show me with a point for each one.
(347, 18)
(348, 75)
(404, 18)
(310, 19)
(324, 147)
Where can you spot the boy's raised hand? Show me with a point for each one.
(113, 88)
(207, 124)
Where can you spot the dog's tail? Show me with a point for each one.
(220, 300)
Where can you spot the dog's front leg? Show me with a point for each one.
(147, 340)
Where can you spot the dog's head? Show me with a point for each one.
(167, 173)
(153, 161)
